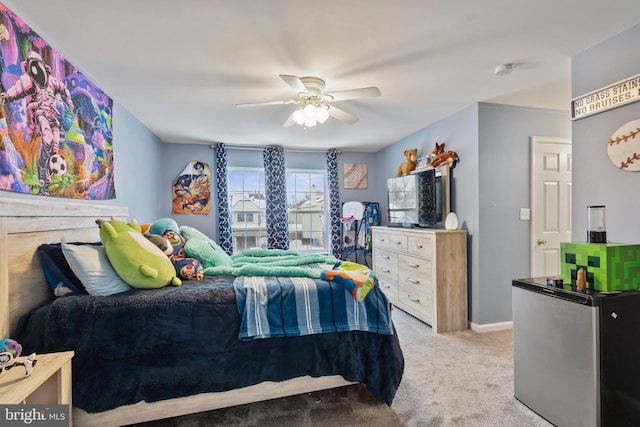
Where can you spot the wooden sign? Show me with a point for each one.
(618, 94)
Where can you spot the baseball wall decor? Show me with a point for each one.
(355, 175)
(624, 147)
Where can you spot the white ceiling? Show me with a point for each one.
(181, 66)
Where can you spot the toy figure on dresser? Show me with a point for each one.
(409, 165)
(440, 156)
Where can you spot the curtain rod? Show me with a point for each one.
(253, 148)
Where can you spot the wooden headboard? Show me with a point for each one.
(26, 224)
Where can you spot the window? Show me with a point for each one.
(308, 229)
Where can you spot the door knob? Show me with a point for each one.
(542, 242)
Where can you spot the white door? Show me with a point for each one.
(550, 203)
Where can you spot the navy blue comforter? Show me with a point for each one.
(178, 341)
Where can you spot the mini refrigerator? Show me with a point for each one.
(576, 354)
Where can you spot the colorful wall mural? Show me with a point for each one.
(55, 124)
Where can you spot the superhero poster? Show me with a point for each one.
(192, 189)
(55, 124)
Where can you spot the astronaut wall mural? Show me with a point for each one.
(55, 124)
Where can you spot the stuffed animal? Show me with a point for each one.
(440, 156)
(140, 263)
(187, 268)
(160, 226)
(8, 345)
(202, 248)
(409, 165)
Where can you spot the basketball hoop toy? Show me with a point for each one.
(347, 222)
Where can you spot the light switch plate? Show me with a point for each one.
(525, 214)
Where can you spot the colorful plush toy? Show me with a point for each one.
(163, 224)
(202, 248)
(140, 263)
(8, 345)
(186, 267)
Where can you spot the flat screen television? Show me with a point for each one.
(420, 199)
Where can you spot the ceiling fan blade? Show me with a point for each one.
(258, 104)
(365, 92)
(295, 83)
(289, 122)
(342, 115)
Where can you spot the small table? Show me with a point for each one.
(49, 382)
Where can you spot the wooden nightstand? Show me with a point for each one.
(49, 382)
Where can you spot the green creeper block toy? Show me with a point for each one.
(609, 266)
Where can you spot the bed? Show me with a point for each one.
(190, 334)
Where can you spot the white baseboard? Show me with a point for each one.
(491, 327)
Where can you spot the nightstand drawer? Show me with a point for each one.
(420, 246)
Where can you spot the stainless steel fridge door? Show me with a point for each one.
(556, 358)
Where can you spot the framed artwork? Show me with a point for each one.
(55, 124)
(192, 189)
(355, 175)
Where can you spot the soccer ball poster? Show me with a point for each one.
(55, 124)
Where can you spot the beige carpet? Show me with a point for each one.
(454, 379)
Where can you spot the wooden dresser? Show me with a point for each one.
(424, 272)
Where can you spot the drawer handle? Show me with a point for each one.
(419, 247)
(386, 257)
(386, 270)
(413, 299)
(410, 264)
(414, 281)
(384, 285)
(398, 243)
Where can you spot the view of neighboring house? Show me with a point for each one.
(307, 222)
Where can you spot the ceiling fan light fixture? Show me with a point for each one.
(298, 116)
(323, 113)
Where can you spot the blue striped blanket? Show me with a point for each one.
(296, 306)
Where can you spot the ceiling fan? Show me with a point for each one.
(314, 105)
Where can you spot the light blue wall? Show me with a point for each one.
(504, 188)
(177, 156)
(491, 183)
(595, 179)
(137, 159)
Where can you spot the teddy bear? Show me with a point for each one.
(408, 165)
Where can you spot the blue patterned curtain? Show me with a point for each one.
(277, 220)
(224, 216)
(334, 203)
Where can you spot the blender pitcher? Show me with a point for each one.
(597, 230)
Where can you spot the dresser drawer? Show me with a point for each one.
(389, 286)
(398, 243)
(385, 262)
(415, 266)
(420, 246)
(380, 240)
(416, 300)
(415, 281)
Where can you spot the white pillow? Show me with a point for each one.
(91, 265)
